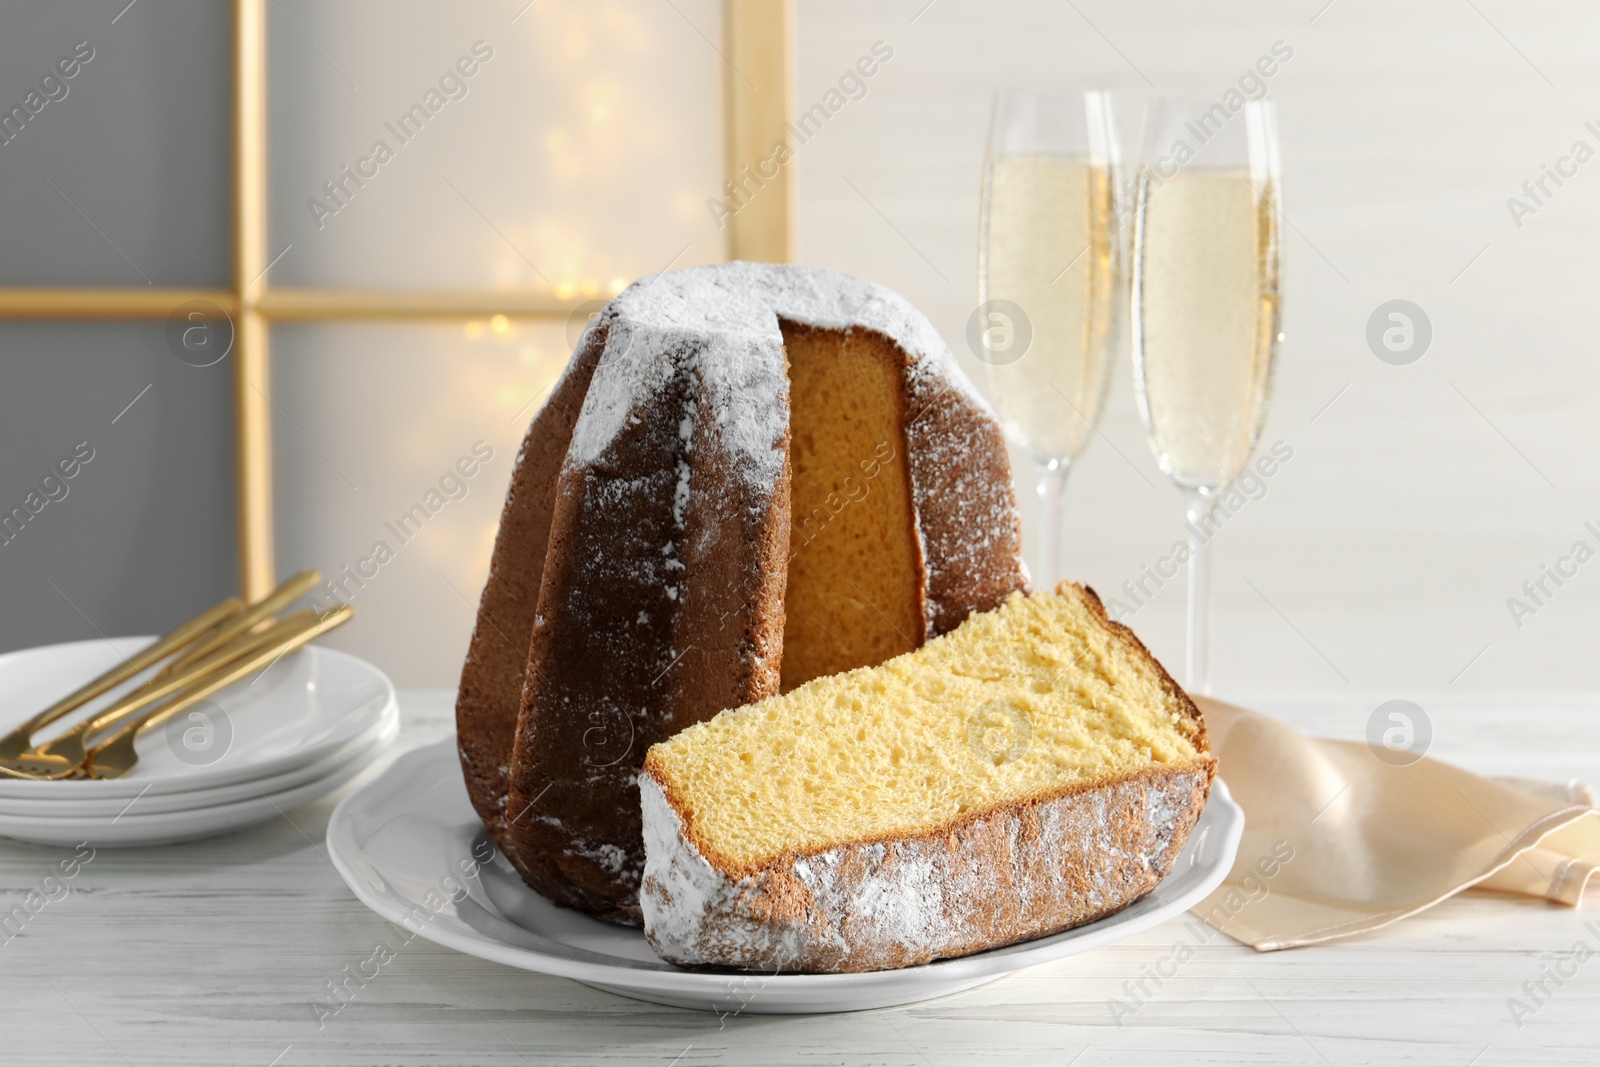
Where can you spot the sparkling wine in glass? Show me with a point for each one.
(1049, 282)
(1205, 311)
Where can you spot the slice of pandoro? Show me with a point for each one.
(1032, 770)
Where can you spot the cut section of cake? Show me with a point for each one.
(1033, 770)
(852, 595)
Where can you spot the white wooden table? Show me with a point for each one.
(218, 953)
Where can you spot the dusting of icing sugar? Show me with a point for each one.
(611, 857)
(680, 495)
(723, 321)
(1016, 874)
(904, 901)
(682, 896)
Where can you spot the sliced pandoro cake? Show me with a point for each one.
(1032, 770)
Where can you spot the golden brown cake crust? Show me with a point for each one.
(490, 697)
(961, 479)
(1024, 870)
(627, 649)
(1035, 866)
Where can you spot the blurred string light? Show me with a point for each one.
(607, 130)
(494, 391)
(593, 142)
(597, 141)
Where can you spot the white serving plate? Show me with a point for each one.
(303, 709)
(133, 829)
(405, 842)
(385, 730)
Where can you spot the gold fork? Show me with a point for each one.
(61, 756)
(16, 742)
(67, 756)
(115, 756)
(201, 635)
(292, 589)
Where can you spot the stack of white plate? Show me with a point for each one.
(256, 751)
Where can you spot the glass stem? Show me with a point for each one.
(1051, 480)
(1198, 508)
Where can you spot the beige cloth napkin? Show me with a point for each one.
(1339, 842)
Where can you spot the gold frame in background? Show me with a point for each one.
(758, 38)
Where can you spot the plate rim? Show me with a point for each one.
(668, 979)
(17, 789)
(355, 752)
(167, 827)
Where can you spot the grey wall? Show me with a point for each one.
(121, 182)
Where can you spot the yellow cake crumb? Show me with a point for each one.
(1039, 695)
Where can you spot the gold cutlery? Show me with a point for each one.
(115, 756)
(204, 633)
(16, 742)
(70, 749)
(292, 589)
(67, 756)
(206, 654)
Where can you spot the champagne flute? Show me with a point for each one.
(1049, 278)
(1205, 311)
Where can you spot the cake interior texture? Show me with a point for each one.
(1039, 698)
(851, 598)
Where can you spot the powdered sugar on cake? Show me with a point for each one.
(725, 318)
(1016, 873)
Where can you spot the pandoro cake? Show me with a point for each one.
(1033, 770)
(748, 476)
